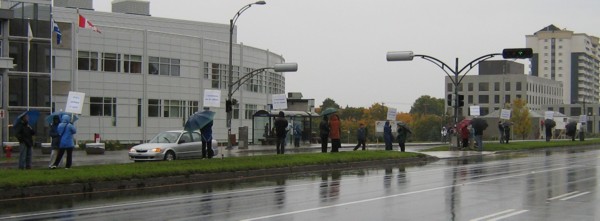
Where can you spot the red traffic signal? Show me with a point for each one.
(517, 53)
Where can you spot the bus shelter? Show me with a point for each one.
(263, 131)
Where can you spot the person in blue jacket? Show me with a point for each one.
(65, 130)
(387, 135)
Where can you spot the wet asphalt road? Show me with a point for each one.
(558, 185)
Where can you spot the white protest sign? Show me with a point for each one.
(391, 114)
(279, 102)
(505, 114)
(549, 115)
(75, 102)
(475, 110)
(583, 118)
(212, 98)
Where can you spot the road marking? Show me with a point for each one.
(509, 215)
(564, 195)
(492, 215)
(395, 195)
(571, 197)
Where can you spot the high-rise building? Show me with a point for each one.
(568, 57)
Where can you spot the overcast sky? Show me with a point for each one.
(340, 45)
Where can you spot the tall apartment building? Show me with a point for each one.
(568, 57)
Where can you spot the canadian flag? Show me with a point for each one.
(84, 23)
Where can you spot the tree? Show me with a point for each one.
(426, 128)
(428, 105)
(328, 102)
(520, 118)
(352, 113)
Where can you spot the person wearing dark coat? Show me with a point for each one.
(479, 125)
(506, 133)
(65, 130)
(501, 130)
(361, 136)
(24, 134)
(55, 143)
(281, 125)
(402, 135)
(324, 133)
(206, 134)
(387, 135)
(548, 127)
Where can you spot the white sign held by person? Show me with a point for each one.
(505, 114)
(391, 114)
(75, 102)
(549, 115)
(279, 102)
(475, 110)
(212, 98)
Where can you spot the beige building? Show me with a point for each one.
(568, 57)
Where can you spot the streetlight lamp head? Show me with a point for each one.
(260, 2)
(399, 56)
(286, 67)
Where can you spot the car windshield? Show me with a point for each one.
(165, 137)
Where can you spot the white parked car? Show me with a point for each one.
(171, 145)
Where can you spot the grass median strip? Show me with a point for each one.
(12, 178)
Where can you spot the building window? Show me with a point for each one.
(507, 99)
(496, 86)
(236, 111)
(154, 108)
(496, 99)
(250, 110)
(484, 86)
(518, 86)
(173, 108)
(507, 86)
(103, 106)
(111, 62)
(132, 63)
(163, 66)
(470, 99)
(470, 86)
(87, 61)
(484, 99)
(449, 87)
(192, 107)
(139, 113)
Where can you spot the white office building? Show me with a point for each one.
(568, 57)
(140, 74)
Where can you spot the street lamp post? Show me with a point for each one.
(456, 78)
(234, 86)
(232, 22)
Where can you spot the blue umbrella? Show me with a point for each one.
(198, 120)
(60, 114)
(33, 117)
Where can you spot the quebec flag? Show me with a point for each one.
(57, 30)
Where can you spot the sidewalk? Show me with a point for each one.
(81, 158)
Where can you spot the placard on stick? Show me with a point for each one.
(75, 102)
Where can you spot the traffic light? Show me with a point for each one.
(228, 106)
(449, 100)
(517, 53)
(461, 100)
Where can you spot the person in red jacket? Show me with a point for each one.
(335, 131)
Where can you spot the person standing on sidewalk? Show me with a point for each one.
(324, 132)
(281, 125)
(501, 130)
(403, 132)
(66, 131)
(387, 135)
(55, 143)
(361, 136)
(335, 133)
(206, 134)
(24, 134)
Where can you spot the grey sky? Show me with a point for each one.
(340, 45)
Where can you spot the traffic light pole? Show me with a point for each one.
(456, 78)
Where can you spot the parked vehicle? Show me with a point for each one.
(170, 145)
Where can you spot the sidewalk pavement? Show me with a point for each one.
(81, 158)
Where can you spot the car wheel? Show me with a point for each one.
(170, 155)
